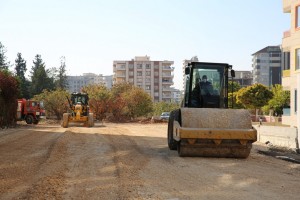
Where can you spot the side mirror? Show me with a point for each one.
(187, 70)
(232, 72)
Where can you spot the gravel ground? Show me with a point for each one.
(132, 161)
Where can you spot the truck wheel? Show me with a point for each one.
(36, 121)
(29, 119)
(65, 123)
(174, 116)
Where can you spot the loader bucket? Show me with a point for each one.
(212, 132)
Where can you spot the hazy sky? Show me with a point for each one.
(93, 33)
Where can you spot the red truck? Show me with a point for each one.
(30, 111)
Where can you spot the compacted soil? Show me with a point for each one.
(130, 161)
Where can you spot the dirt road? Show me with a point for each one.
(130, 161)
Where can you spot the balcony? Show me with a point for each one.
(167, 68)
(286, 73)
(286, 4)
(120, 75)
(286, 34)
(167, 82)
(167, 75)
(166, 89)
(121, 68)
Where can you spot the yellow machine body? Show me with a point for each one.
(79, 111)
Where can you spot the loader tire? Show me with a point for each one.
(91, 120)
(174, 116)
(65, 123)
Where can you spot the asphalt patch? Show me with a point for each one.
(290, 157)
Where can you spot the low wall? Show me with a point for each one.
(287, 137)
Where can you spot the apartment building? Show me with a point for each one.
(266, 64)
(75, 83)
(177, 95)
(155, 77)
(291, 62)
(244, 78)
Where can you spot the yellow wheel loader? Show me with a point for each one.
(80, 111)
(204, 126)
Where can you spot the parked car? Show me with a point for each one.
(165, 116)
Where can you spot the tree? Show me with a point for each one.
(254, 96)
(61, 80)
(163, 106)
(3, 63)
(55, 102)
(20, 68)
(40, 79)
(99, 99)
(232, 100)
(233, 86)
(138, 102)
(118, 103)
(9, 89)
(281, 98)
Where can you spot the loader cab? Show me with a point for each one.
(79, 98)
(206, 85)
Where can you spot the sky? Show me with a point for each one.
(91, 34)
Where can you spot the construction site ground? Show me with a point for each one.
(132, 161)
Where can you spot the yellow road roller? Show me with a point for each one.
(204, 126)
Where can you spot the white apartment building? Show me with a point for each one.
(155, 77)
(266, 65)
(291, 62)
(75, 83)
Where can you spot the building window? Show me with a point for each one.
(286, 60)
(139, 66)
(139, 73)
(148, 80)
(148, 73)
(295, 99)
(130, 66)
(148, 87)
(297, 17)
(297, 59)
(148, 66)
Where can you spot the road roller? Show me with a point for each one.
(204, 125)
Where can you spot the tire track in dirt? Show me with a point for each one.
(22, 156)
(129, 160)
(51, 183)
(90, 174)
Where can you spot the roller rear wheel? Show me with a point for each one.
(174, 116)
